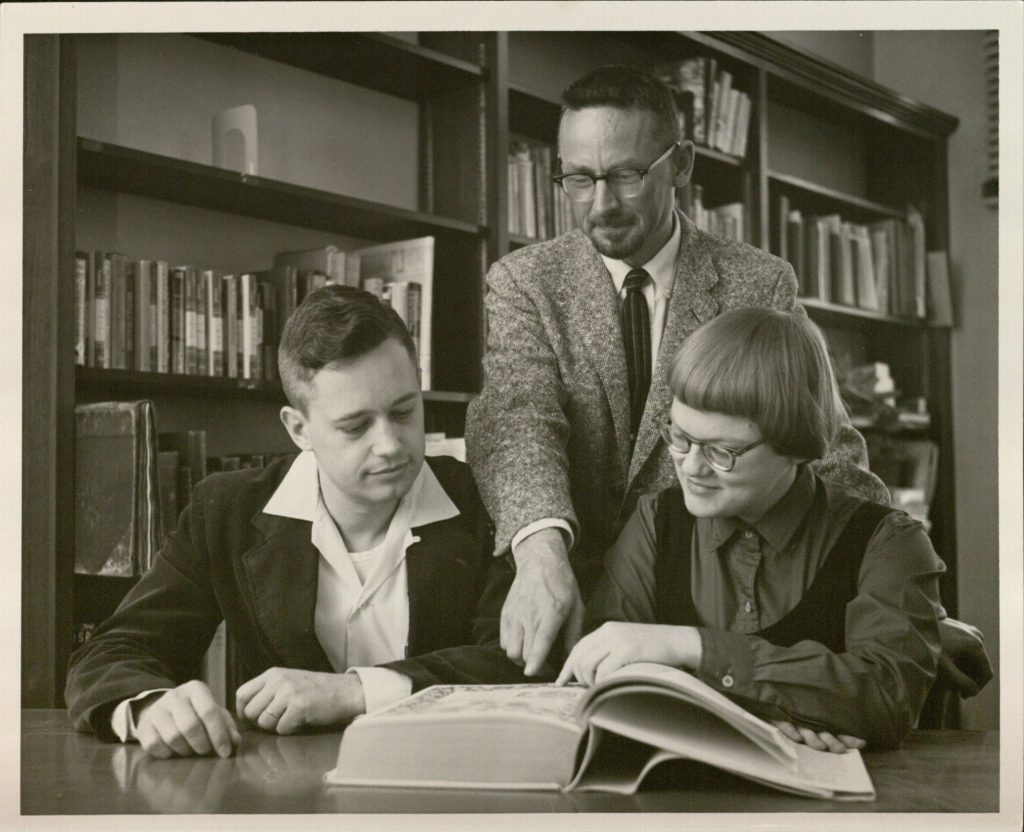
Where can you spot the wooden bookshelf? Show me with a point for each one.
(154, 384)
(472, 92)
(125, 170)
(854, 205)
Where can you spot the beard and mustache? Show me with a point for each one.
(617, 233)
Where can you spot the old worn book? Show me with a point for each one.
(605, 738)
(117, 520)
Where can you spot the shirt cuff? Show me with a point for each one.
(727, 661)
(381, 686)
(122, 720)
(545, 523)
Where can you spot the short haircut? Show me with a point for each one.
(626, 88)
(333, 326)
(768, 366)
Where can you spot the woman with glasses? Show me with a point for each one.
(809, 605)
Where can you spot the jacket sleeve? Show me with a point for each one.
(516, 429)
(157, 636)
(875, 689)
(483, 662)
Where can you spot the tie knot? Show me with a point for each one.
(636, 279)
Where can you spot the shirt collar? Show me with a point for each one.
(298, 493)
(779, 523)
(661, 267)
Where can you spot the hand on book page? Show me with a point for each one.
(618, 643)
(819, 740)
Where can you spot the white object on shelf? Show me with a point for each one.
(235, 144)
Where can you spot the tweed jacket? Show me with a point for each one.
(549, 434)
(230, 561)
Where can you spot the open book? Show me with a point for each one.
(605, 738)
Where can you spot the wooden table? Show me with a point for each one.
(63, 772)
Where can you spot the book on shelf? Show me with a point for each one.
(918, 307)
(909, 469)
(440, 444)
(864, 267)
(876, 266)
(713, 112)
(796, 249)
(328, 260)
(190, 446)
(81, 307)
(117, 310)
(940, 299)
(405, 261)
(229, 306)
(842, 288)
(604, 738)
(117, 515)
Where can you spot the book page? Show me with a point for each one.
(549, 703)
(686, 729)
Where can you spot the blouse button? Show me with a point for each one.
(727, 681)
(747, 606)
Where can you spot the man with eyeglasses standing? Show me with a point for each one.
(563, 438)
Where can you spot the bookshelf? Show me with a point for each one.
(826, 139)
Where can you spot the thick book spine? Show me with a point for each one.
(163, 317)
(102, 340)
(211, 288)
(178, 282)
(191, 334)
(202, 348)
(81, 306)
(140, 278)
(116, 320)
(230, 310)
(154, 318)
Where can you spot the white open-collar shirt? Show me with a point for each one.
(362, 599)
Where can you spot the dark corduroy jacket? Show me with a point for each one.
(229, 561)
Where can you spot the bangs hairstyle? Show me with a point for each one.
(626, 88)
(767, 366)
(333, 326)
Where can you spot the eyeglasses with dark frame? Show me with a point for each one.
(626, 182)
(719, 457)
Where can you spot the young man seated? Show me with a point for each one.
(809, 605)
(349, 556)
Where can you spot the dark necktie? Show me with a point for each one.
(636, 332)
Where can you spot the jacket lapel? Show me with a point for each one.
(691, 305)
(282, 575)
(588, 296)
(441, 568)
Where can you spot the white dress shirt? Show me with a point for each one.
(362, 601)
(657, 292)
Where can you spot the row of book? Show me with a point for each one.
(537, 207)
(149, 316)
(712, 112)
(728, 220)
(880, 266)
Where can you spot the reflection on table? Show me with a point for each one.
(63, 772)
